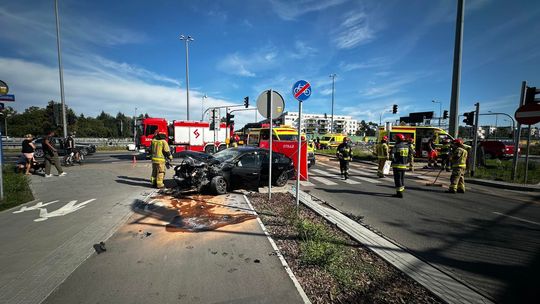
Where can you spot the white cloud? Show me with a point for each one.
(248, 65)
(390, 87)
(88, 92)
(353, 31)
(302, 50)
(290, 10)
(372, 63)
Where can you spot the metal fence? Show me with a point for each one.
(15, 142)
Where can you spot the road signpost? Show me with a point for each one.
(9, 97)
(270, 104)
(301, 91)
(528, 114)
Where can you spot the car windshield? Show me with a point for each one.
(226, 154)
(288, 137)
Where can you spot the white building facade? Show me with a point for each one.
(320, 123)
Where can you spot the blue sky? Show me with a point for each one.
(122, 55)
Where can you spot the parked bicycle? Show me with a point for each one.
(74, 157)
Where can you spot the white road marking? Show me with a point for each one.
(517, 218)
(35, 207)
(323, 180)
(307, 184)
(366, 179)
(347, 181)
(68, 208)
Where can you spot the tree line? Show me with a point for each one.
(38, 121)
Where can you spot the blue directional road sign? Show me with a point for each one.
(7, 97)
(301, 90)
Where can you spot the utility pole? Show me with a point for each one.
(440, 110)
(60, 69)
(456, 76)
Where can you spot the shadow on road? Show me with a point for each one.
(499, 256)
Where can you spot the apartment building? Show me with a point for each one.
(320, 123)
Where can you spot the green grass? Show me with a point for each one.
(501, 170)
(359, 154)
(16, 188)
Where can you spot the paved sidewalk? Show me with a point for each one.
(178, 249)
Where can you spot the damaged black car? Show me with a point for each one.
(234, 168)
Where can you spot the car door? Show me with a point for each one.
(246, 171)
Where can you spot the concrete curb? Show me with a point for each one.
(503, 185)
(438, 282)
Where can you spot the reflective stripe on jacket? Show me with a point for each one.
(344, 152)
(459, 158)
(400, 156)
(382, 151)
(445, 149)
(159, 148)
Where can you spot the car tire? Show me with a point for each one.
(218, 185)
(84, 151)
(282, 179)
(209, 149)
(38, 153)
(222, 147)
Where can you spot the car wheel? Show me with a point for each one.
(209, 149)
(84, 151)
(222, 147)
(218, 185)
(38, 153)
(282, 179)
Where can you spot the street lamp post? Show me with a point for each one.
(60, 69)
(187, 40)
(135, 127)
(202, 106)
(333, 76)
(440, 110)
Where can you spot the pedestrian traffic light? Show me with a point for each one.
(530, 95)
(229, 119)
(445, 114)
(394, 109)
(469, 118)
(246, 102)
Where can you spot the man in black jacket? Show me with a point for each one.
(344, 154)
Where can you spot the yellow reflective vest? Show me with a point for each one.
(382, 151)
(459, 158)
(159, 149)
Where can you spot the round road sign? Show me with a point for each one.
(263, 104)
(301, 90)
(528, 114)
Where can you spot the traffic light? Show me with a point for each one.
(246, 102)
(325, 116)
(530, 94)
(445, 114)
(229, 119)
(469, 118)
(394, 109)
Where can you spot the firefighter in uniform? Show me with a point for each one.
(344, 154)
(160, 153)
(458, 159)
(400, 163)
(382, 155)
(445, 155)
(411, 155)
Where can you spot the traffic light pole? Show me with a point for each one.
(475, 137)
(517, 135)
(456, 76)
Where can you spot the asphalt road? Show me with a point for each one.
(487, 238)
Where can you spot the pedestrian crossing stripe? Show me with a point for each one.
(366, 179)
(347, 181)
(307, 184)
(323, 180)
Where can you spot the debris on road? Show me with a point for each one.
(100, 248)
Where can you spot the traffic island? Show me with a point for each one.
(330, 266)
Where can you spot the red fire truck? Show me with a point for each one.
(183, 135)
